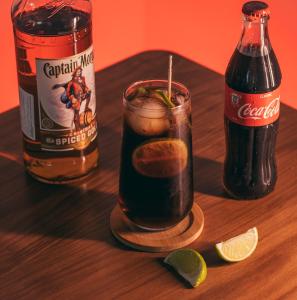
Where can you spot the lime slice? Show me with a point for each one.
(161, 158)
(189, 264)
(239, 247)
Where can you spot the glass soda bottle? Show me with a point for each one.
(252, 106)
(55, 66)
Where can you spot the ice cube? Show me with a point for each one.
(180, 99)
(149, 118)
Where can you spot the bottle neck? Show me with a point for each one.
(254, 39)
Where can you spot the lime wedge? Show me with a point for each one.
(240, 247)
(161, 158)
(189, 264)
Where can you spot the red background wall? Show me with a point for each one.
(204, 31)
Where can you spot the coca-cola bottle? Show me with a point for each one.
(252, 104)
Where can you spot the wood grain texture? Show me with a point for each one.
(56, 242)
(179, 236)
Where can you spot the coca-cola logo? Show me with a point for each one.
(248, 111)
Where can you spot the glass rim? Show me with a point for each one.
(176, 84)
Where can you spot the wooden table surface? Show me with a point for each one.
(55, 241)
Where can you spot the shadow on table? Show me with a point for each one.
(211, 257)
(208, 177)
(62, 212)
(79, 211)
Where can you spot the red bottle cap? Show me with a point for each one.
(256, 9)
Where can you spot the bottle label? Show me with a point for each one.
(27, 114)
(252, 109)
(67, 102)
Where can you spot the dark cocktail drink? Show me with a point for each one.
(156, 182)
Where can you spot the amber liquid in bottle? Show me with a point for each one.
(51, 34)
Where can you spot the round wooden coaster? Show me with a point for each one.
(176, 237)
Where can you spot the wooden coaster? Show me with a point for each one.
(176, 237)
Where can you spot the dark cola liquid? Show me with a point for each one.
(155, 203)
(250, 166)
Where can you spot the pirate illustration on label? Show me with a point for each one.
(76, 91)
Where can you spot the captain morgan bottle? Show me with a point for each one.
(55, 64)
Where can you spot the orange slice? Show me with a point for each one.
(160, 158)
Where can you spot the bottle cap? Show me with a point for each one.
(256, 9)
